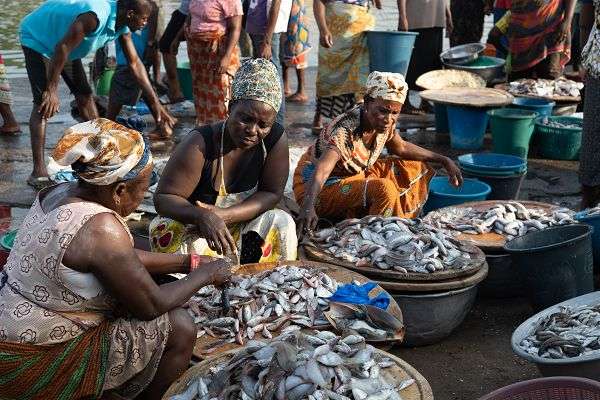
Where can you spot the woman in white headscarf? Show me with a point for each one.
(342, 174)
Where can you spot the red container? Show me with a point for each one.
(554, 388)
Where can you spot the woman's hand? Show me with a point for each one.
(265, 50)
(326, 39)
(223, 65)
(307, 220)
(402, 23)
(219, 271)
(212, 228)
(454, 175)
(50, 104)
(564, 32)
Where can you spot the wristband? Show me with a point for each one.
(194, 262)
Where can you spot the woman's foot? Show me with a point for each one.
(10, 129)
(297, 98)
(317, 125)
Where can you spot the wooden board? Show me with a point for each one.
(341, 275)
(420, 390)
(469, 97)
(317, 254)
(447, 78)
(394, 287)
(557, 99)
(486, 241)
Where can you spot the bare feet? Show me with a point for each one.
(317, 126)
(297, 98)
(10, 129)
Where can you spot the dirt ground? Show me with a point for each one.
(476, 359)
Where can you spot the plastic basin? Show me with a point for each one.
(443, 194)
(489, 68)
(555, 264)
(429, 318)
(587, 366)
(553, 388)
(594, 222)
(104, 82)
(467, 127)
(492, 162)
(390, 51)
(441, 118)
(511, 130)
(504, 187)
(501, 281)
(184, 74)
(559, 143)
(541, 106)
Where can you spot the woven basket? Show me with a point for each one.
(555, 388)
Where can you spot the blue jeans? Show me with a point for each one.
(257, 41)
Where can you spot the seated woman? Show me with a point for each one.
(218, 192)
(341, 175)
(71, 323)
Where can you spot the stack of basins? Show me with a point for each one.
(503, 173)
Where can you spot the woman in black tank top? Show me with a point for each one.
(219, 189)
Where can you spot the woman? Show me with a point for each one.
(295, 46)
(467, 20)
(10, 126)
(341, 175)
(539, 37)
(72, 325)
(212, 29)
(343, 55)
(589, 165)
(224, 180)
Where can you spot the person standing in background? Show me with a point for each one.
(169, 46)
(10, 126)
(265, 22)
(589, 159)
(428, 18)
(294, 49)
(467, 20)
(212, 31)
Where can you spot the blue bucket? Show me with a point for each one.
(441, 117)
(541, 106)
(467, 127)
(443, 194)
(390, 51)
(594, 222)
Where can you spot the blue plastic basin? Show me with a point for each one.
(443, 194)
(491, 162)
(441, 118)
(594, 222)
(467, 127)
(390, 51)
(541, 106)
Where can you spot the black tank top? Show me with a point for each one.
(246, 180)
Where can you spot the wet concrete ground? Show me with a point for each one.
(474, 360)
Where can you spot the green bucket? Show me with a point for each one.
(184, 74)
(511, 130)
(103, 84)
(559, 143)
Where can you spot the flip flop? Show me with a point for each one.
(40, 182)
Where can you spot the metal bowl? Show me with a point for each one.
(587, 366)
(487, 72)
(463, 54)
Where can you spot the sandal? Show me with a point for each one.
(40, 182)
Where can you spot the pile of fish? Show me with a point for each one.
(285, 299)
(315, 366)
(510, 219)
(546, 88)
(553, 123)
(590, 212)
(570, 332)
(400, 244)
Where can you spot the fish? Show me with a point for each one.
(545, 87)
(568, 333)
(292, 366)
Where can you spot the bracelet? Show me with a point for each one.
(194, 262)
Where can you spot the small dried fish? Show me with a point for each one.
(546, 87)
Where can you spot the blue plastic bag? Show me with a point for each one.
(359, 294)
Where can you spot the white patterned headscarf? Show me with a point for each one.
(257, 79)
(102, 152)
(387, 86)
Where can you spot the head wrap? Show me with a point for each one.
(387, 86)
(257, 79)
(102, 152)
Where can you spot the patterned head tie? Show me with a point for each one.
(257, 79)
(102, 152)
(387, 86)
